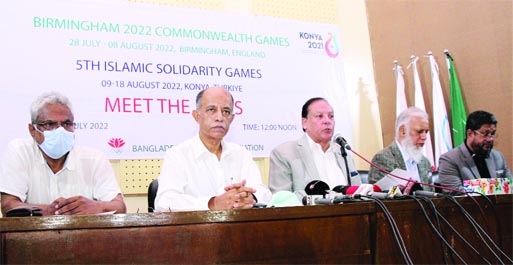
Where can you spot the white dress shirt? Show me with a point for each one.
(25, 174)
(191, 175)
(326, 163)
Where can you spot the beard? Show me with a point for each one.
(482, 150)
(413, 151)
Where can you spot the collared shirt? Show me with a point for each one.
(326, 164)
(411, 165)
(25, 174)
(191, 175)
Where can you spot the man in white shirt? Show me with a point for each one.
(48, 171)
(314, 156)
(406, 151)
(206, 172)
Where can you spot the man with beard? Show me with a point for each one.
(314, 156)
(405, 152)
(475, 157)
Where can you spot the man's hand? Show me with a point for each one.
(237, 196)
(83, 205)
(69, 206)
(77, 205)
(10, 201)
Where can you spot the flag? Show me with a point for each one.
(458, 112)
(419, 103)
(400, 96)
(442, 131)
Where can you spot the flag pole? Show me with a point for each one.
(442, 131)
(458, 110)
(448, 54)
(419, 103)
(400, 96)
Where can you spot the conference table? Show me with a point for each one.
(351, 232)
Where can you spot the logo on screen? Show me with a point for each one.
(116, 143)
(331, 46)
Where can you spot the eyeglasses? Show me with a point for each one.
(489, 135)
(52, 125)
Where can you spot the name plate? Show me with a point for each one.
(489, 186)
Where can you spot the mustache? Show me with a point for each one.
(219, 125)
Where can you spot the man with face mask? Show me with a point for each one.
(48, 171)
(406, 151)
(475, 158)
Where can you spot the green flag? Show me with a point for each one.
(458, 112)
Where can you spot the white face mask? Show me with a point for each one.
(57, 142)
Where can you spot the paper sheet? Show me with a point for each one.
(389, 180)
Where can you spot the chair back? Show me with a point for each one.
(364, 175)
(152, 193)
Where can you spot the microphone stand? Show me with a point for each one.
(344, 155)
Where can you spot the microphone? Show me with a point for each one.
(315, 199)
(342, 198)
(342, 142)
(312, 200)
(379, 195)
(317, 187)
(318, 201)
(364, 188)
(411, 187)
(342, 188)
(429, 194)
